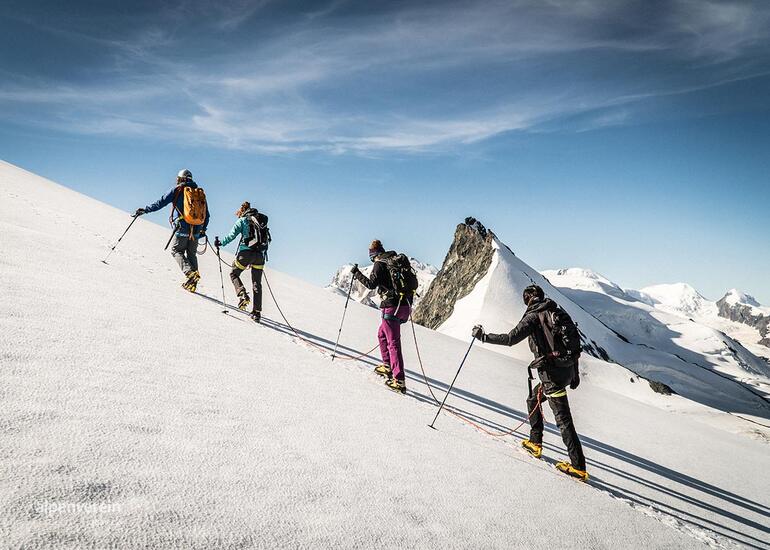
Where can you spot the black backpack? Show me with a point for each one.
(561, 333)
(404, 278)
(259, 234)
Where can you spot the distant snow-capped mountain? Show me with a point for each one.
(679, 298)
(744, 308)
(585, 279)
(340, 282)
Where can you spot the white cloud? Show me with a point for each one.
(398, 81)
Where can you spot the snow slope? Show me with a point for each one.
(136, 415)
(682, 299)
(340, 282)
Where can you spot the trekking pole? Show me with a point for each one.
(530, 378)
(104, 261)
(173, 232)
(452, 384)
(344, 311)
(221, 280)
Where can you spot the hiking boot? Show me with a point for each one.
(244, 301)
(256, 316)
(384, 370)
(535, 449)
(396, 385)
(191, 284)
(570, 470)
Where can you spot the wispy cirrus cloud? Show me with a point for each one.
(427, 77)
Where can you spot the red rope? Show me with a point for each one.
(323, 350)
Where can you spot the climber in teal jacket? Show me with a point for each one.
(252, 248)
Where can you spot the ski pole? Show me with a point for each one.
(173, 232)
(221, 280)
(530, 378)
(120, 239)
(344, 311)
(452, 384)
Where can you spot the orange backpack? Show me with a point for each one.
(194, 211)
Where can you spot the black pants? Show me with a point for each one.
(554, 390)
(256, 261)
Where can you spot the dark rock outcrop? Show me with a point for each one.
(467, 261)
(764, 329)
(660, 387)
(744, 313)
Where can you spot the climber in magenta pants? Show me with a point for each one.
(390, 338)
(395, 309)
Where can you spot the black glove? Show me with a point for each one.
(139, 212)
(217, 242)
(202, 233)
(575, 382)
(354, 269)
(478, 333)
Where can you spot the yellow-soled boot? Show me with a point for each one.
(396, 385)
(384, 370)
(243, 301)
(535, 449)
(570, 470)
(191, 284)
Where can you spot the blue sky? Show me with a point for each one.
(628, 137)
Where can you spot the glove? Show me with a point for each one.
(217, 242)
(478, 333)
(355, 269)
(202, 233)
(139, 212)
(575, 382)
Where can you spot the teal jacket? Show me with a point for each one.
(241, 228)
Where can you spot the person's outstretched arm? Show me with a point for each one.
(234, 232)
(165, 200)
(370, 282)
(525, 327)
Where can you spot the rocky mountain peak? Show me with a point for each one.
(468, 259)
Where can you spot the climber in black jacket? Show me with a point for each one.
(557, 370)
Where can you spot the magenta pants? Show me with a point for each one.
(390, 338)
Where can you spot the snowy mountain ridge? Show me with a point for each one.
(736, 297)
(684, 300)
(679, 298)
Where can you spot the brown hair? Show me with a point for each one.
(245, 206)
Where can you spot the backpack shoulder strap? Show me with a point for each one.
(547, 330)
(174, 208)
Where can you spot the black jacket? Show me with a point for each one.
(559, 372)
(381, 280)
(529, 327)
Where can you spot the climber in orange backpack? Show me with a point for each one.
(190, 218)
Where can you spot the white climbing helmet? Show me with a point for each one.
(184, 175)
